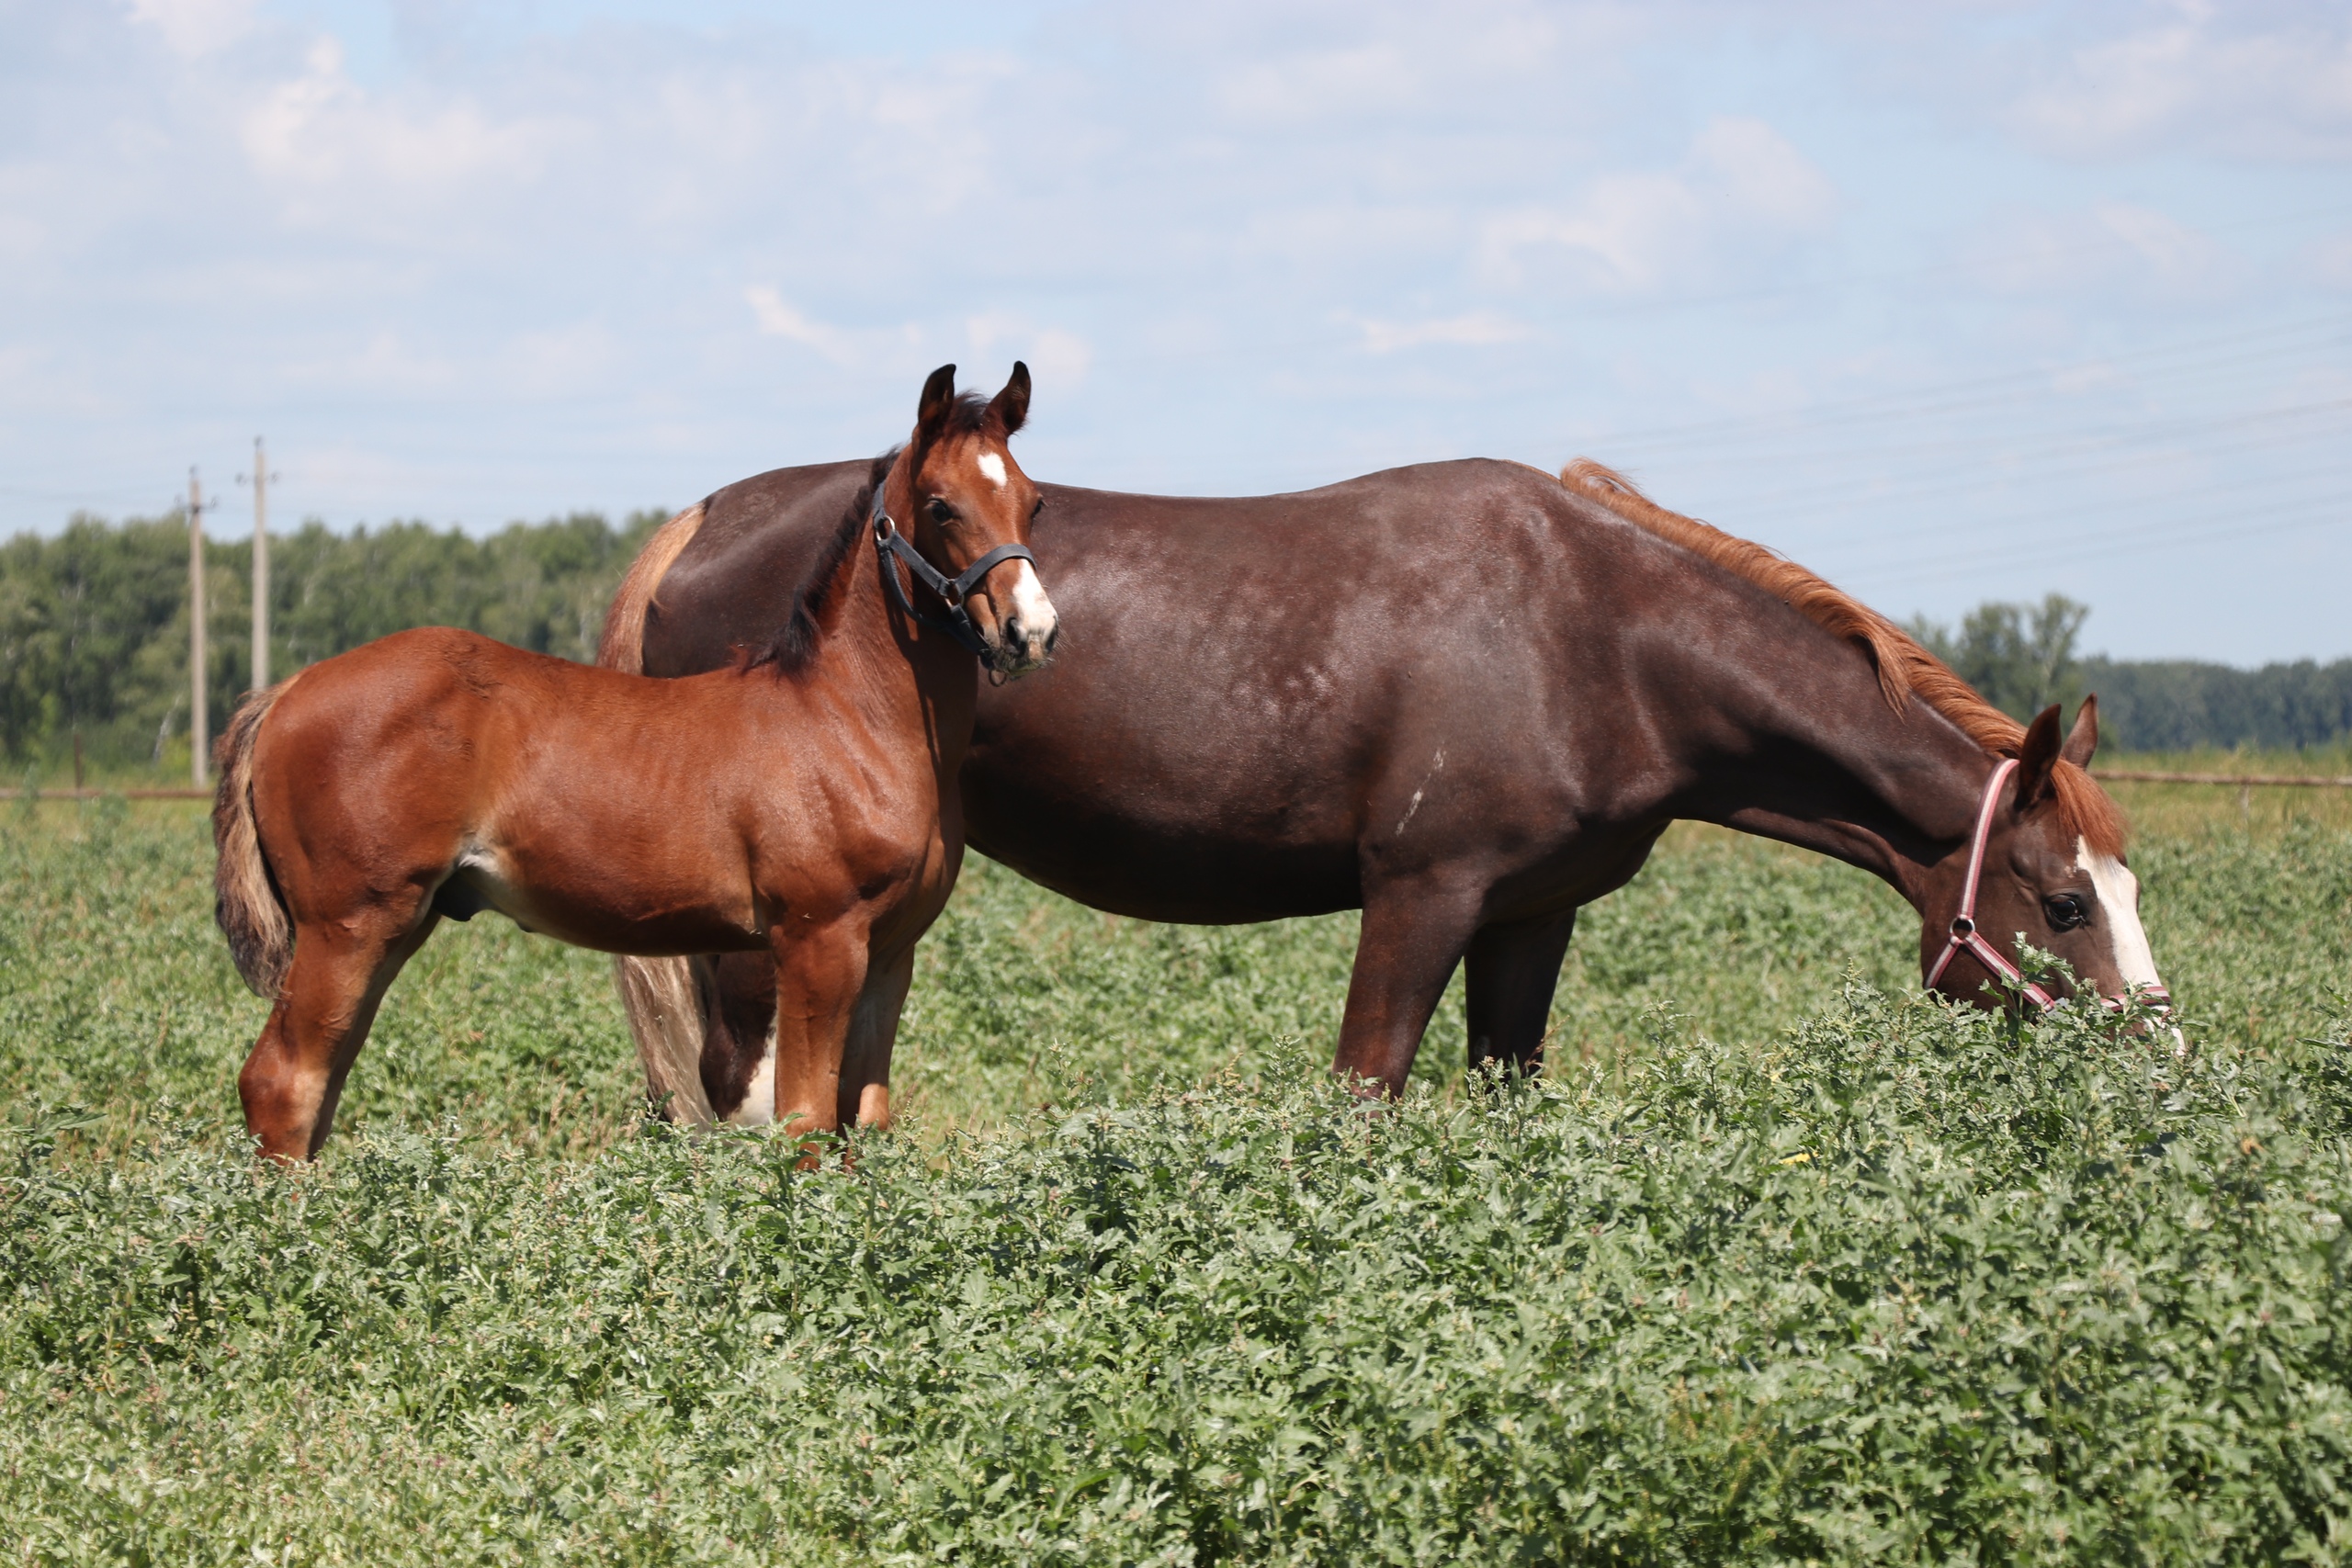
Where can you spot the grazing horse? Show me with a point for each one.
(1466, 697)
(799, 805)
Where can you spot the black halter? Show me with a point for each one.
(952, 591)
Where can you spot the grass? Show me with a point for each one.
(1780, 1262)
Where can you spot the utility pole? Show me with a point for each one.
(198, 732)
(261, 478)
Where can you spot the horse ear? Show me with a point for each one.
(1011, 405)
(938, 397)
(2035, 760)
(2083, 739)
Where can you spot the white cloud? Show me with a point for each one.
(2110, 245)
(1370, 62)
(779, 320)
(1742, 183)
(322, 130)
(2177, 258)
(1057, 358)
(195, 27)
(2329, 261)
(385, 363)
(851, 348)
(1476, 328)
(1314, 235)
(1750, 166)
(2206, 74)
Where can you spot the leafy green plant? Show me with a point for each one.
(1779, 1261)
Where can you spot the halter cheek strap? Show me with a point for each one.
(891, 546)
(1964, 934)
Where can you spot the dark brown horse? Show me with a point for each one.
(1466, 697)
(799, 805)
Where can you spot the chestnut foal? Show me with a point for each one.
(801, 805)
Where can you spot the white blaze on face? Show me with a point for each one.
(992, 468)
(1030, 605)
(2118, 903)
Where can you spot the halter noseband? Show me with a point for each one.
(1964, 934)
(952, 591)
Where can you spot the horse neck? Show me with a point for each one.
(1821, 760)
(926, 680)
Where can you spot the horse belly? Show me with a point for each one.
(656, 911)
(1185, 852)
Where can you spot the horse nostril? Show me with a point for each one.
(1053, 636)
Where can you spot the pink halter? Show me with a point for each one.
(1964, 934)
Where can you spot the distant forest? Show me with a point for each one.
(94, 621)
(93, 635)
(2021, 657)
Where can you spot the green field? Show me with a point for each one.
(1780, 1262)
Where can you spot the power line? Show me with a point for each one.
(1998, 466)
(1906, 404)
(1991, 535)
(2141, 542)
(1978, 446)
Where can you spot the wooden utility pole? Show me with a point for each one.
(198, 731)
(262, 477)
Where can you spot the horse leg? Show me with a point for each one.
(292, 1080)
(872, 1032)
(1512, 971)
(1413, 936)
(819, 976)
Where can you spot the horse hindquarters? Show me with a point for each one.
(351, 840)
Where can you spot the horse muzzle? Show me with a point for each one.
(1029, 629)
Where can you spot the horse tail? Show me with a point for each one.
(658, 994)
(665, 1015)
(245, 900)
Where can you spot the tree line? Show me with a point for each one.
(93, 621)
(2022, 657)
(93, 634)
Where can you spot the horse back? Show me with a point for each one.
(747, 564)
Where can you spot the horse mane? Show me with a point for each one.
(795, 643)
(1905, 668)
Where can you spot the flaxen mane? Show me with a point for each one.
(623, 645)
(1905, 668)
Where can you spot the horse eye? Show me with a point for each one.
(2065, 911)
(940, 510)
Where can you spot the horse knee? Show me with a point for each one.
(280, 1092)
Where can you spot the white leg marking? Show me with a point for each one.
(992, 468)
(758, 1109)
(2119, 900)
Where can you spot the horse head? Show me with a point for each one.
(966, 509)
(2044, 868)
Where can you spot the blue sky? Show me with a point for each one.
(1949, 302)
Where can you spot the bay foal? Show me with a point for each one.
(799, 804)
